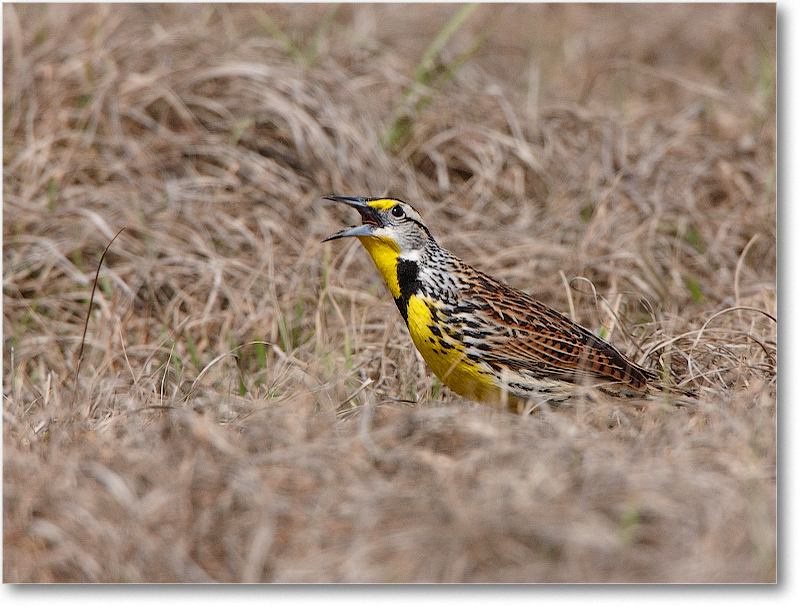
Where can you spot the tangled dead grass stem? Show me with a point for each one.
(249, 407)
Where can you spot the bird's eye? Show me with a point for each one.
(397, 211)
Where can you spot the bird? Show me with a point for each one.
(485, 340)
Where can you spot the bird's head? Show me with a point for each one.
(388, 226)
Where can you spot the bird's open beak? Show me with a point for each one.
(369, 217)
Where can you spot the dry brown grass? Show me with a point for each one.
(249, 407)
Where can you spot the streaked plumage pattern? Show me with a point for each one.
(502, 326)
(484, 339)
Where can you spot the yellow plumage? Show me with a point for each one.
(483, 339)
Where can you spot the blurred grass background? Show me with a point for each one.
(249, 408)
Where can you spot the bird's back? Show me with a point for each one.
(511, 339)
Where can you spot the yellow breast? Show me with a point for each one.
(445, 356)
(431, 336)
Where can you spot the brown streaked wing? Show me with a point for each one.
(530, 335)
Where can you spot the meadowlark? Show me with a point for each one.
(482, 338)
